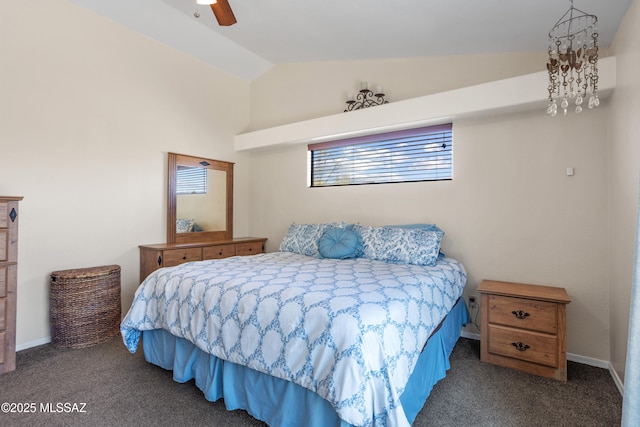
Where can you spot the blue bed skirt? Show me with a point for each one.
(282, 403)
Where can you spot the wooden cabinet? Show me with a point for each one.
(153, 257)
(524, 327)
(8, 281)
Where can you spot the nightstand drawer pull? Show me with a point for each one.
(520, 346)
(520, 314)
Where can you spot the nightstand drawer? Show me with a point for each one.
(523, 313)
(529, 346)
(179, 256)
(250, 248)
(218, 252)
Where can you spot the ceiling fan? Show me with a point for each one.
(222, 11)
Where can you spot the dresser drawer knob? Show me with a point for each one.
(520, 346)
(520, 314)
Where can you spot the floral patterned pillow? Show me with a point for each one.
(303, 238)
(400, 245)
(184, 225)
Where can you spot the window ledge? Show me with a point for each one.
(522, 93)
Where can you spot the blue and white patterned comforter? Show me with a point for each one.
(349, 330)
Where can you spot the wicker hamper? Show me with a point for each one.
(84, 306)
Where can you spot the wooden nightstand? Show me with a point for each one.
(524, 327)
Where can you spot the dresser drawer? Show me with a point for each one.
(218, 252)
(524, 345)
(4, 245)
(3, 281)
(250, 248)
(4, 214)
(178, 256)
(523, 313)
(153, 257)
(3, 314)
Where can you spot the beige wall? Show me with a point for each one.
(289, 93)
(89, 110)
(510, 213)
(624, 172)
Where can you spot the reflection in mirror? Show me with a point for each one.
(201, 203)
(199, 200)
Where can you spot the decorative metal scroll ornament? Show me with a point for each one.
(365, 98)
(573, 62)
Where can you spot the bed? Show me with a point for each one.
(306, 337)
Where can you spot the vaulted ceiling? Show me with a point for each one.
(272, 32)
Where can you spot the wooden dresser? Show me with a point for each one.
(8, 281)
(153, 257)
(524, 327)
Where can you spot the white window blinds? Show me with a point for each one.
(191, 180)
(422, 154)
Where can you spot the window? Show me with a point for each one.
(191, 180)
(423, 154)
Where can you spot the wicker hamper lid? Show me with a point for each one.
(89, 272)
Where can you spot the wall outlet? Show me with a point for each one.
(473, 302)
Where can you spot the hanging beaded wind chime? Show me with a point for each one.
(573, 62)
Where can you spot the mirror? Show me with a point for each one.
(199, 199)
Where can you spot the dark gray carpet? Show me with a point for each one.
(121, 389)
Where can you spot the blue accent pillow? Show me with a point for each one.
(340, 243)
(400, 245)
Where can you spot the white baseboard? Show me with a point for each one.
(470, 335)
(588, 361)
(35, 343)
(616, 380)
(574, 358)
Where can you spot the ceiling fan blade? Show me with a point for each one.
(223, 13)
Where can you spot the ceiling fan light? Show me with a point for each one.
(206, 2)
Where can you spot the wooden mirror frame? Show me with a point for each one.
(201, 236)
